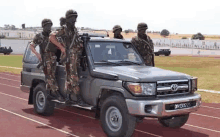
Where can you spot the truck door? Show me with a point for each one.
(30, 69)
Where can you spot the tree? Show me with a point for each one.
(198, 36)
(13, 27)
(165, 33)
(126, 31)
(23, 26)
(130, 30)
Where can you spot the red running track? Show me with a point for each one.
(17, 118)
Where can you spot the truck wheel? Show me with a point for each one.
(42, 106)
(115, 119)
(174, 122)
(166, 54)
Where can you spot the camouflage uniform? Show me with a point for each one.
(71, 82)
(50, 59)
(117, 32)
(144, 45)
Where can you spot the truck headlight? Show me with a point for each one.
(194, 84)
(142, 88)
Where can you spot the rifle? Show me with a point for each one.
(43, 59)
(150, 50)
(67, 57)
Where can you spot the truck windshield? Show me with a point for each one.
(105, 52)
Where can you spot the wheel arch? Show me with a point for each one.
(34, 83)
(104, 93)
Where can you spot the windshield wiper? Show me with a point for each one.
(108, 62)
(131, 62)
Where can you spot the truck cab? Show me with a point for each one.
(116, 83)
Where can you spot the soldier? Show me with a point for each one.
(62, 22)
(144, 44)
(65, 37)
(47, 55)
(117, 32)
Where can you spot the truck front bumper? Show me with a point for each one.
(161, 107)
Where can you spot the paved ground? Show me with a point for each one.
(17, 119)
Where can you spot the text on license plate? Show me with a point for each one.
(182, 105)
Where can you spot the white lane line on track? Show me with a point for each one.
(203, 128)
(13, 96)
(38, 122)
(156, 135)
(55, 107)
(10, 79)
(9, 75)
(79, 114)
(9, 85)
(19, 88)
(147, 133)
(202, 90)
(10, 67)
(210, 107)
(205, 115)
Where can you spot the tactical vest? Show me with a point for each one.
(51, 46)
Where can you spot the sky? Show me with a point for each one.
(183, 17)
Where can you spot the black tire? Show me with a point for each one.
(46, 108)
(128, 123)
(156, 54)
(174, 122)
(166, 54)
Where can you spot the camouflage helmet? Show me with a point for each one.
(116, 27)
(46, 21)
(142, 26)
(71, 13)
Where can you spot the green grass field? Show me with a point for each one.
(207, 69)
(11, 60)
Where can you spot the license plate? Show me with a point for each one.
(182, 105)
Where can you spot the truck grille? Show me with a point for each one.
(172, 87)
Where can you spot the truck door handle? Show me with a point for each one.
(83, 76)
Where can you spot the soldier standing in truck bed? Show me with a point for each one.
(117, 32)
(47, 56)
(66, 36)
(144, 44)
(62, 22)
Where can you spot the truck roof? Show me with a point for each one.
(107, 39)
(101, 37)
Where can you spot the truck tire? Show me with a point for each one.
(42, 106)
(115, 119)
(174, 122)
(166, 54)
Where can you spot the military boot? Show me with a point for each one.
(59, 96)
(68, 100)
(80, 101)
